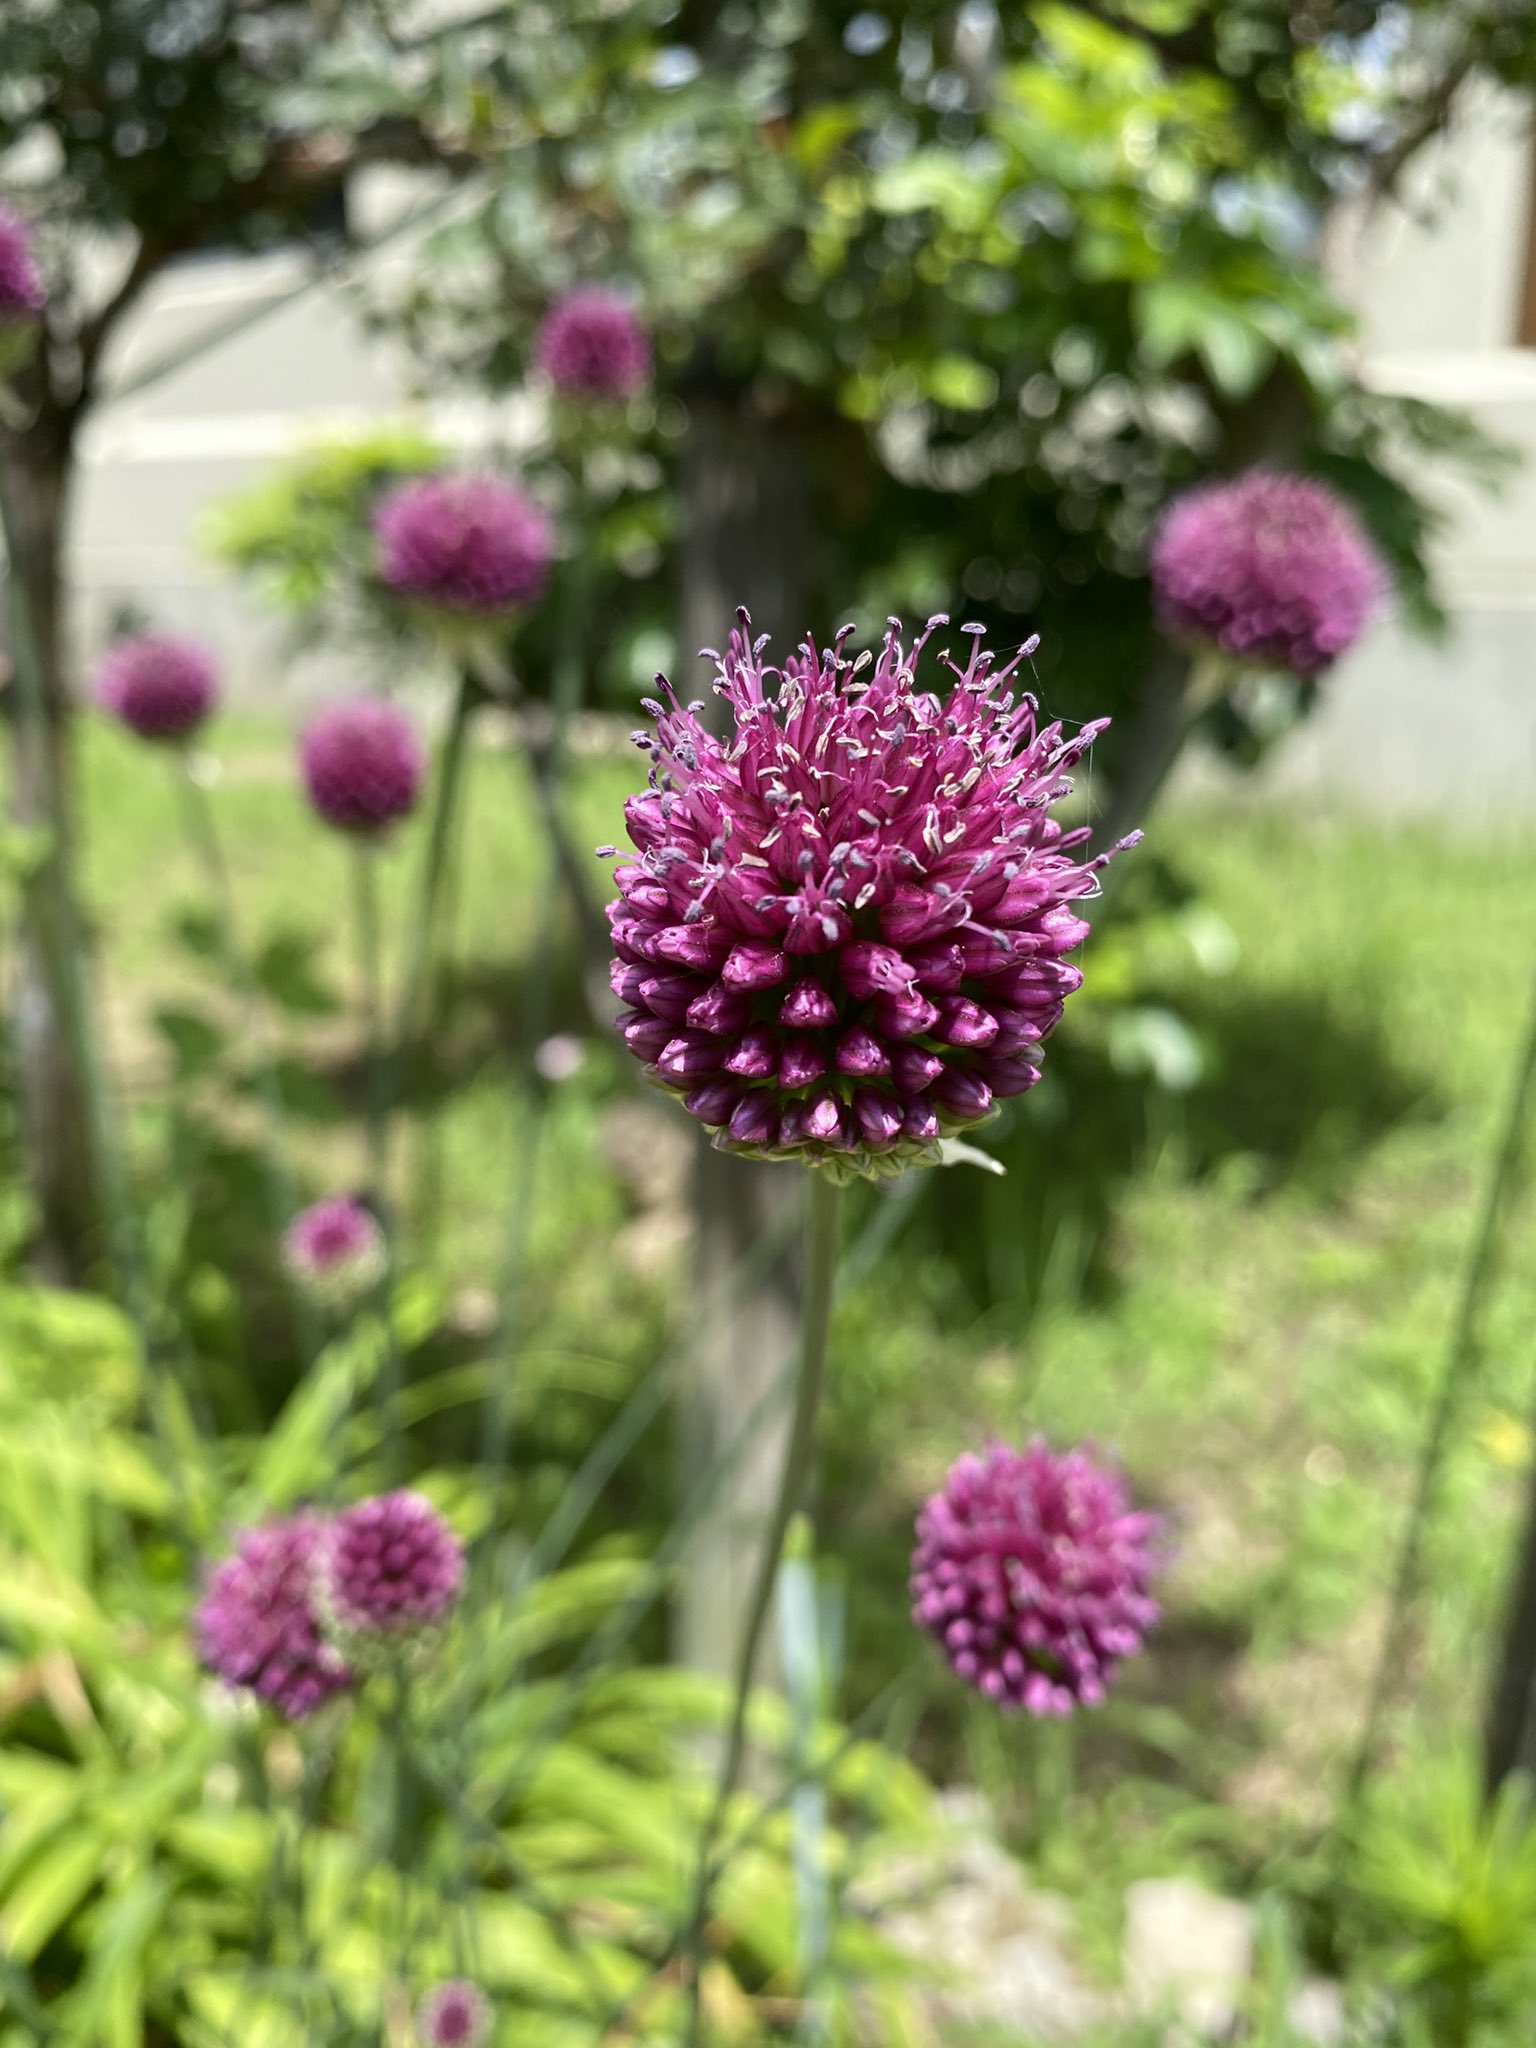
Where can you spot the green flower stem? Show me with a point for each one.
(548, 779)
(823, 1214)
(277, 1180)
(1182, 703)
(421, 988)
(365, 886)
(365, 878)
(1460, 1360)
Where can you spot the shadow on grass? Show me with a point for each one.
(1295, 1093)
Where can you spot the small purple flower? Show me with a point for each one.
(393, 1566)
(472, 545)
(455, 2015)
(591, 345)
(845, 936)
(1032, 1572)
(335, 1248)
(1273, 570)
(362, 764)
(22, 293)
(257, 1624)
(161, 688)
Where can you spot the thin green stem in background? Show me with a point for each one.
(370, 963)
(419, 1008)
(365, 877)
(1456, 1371)
(276, 1177)
(823, 1214)
(548, 778)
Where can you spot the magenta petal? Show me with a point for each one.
(714, 1103)
(808, 1007)
(861, 1055)
(912, 1069)
(962, 1022)
(908, 1016)
(870, 970)
(756, 1055)
(801, 1060)
(755, 1120)
(754, 965)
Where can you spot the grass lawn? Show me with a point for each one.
(1244, 1288)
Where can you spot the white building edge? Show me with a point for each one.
(1442, 282)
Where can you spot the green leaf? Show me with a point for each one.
(55, 1886)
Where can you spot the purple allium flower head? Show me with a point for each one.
(455, 2015)
(257, 1624)
(473, 545)
(362, 764)
(591, 345)
(335, 1248)
(1031, 1572)
(393, 1566)
(22, 294)
(161, 688)
(844, 937)
(1274, 570)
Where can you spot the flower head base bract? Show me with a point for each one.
(258, 1625)
(473, 546)
(844, 937)
(393, 1567)
(1032, 1572)
(591, 345)
(453, 2015)
(362, 765)
(1271, 570)
(335, 1249)
(160, 687)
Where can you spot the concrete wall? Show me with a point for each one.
(1404, 727)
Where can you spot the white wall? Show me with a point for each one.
(1404, 727)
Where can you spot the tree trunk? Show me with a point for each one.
(51, 1086)
(744, 514)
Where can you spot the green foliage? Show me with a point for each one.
(1448, 1888)
(302, 534)
(174, 1868)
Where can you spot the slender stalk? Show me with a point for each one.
(548, 776)
(421, 993)
(823, 1210)
(1174, 705)
(365, 884)
(880, 1712)
(1460, 1359)
(277, 1181)
(1509, 1740)
(376, 1129)
(420, 987)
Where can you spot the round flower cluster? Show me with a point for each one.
(844, 938)
(592, 345)
(161, 688)
(22, 294)
(284, 1616)
(258, 1627)
(335, 1248)
(1032, 1572)
(1272, 570)
(455, 2015)
(362, 764)
(393, 1566)
(471, 545)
